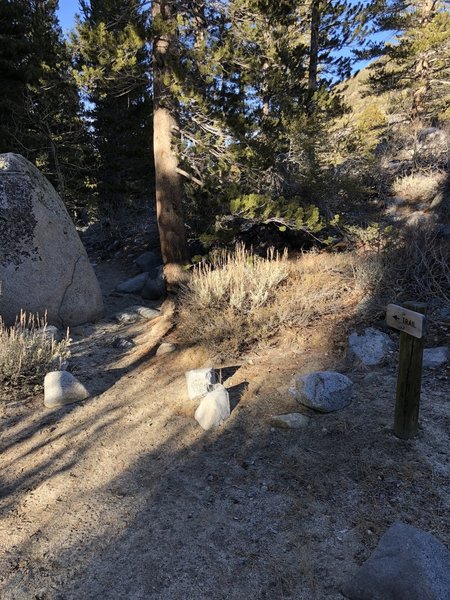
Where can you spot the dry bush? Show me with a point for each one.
(419, 187)
(418, 265)
(27, 351)
(241, 300)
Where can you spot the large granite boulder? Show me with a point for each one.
(43, 264)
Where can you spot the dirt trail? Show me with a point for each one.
(124, 496)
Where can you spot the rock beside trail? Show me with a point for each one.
(290, 421)
(371, 347)
(133, 285)
(435, 357)
(214, 408)
(199, 382)
(61, 387)
(43, 264)
(149, 262)
(324, 391)
(135, 313)
(154, 289)
(165, 348)
(407, 564)
(51, 333)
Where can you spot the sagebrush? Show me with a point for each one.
(239, 300)
(28, 351)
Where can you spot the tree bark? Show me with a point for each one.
(168, 184)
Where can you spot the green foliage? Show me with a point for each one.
(112, 64)
(288, 213)
(40, 108)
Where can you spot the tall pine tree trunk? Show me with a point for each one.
(169, 189)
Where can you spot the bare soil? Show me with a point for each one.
(124, 496)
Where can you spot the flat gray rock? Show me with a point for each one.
(290, 421)
(61, 387)
(435, 357)
(43, 264)
(149, 262)
(135, 313)
(133, 285)
(154, 289)
(324, 391)
(407, 564)
(371, 347)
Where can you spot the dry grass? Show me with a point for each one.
(27, 352)
(240, 300)
(421, 187)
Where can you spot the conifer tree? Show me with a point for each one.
(40, 110)
(417, 60)
(15, 58)
(112, 62)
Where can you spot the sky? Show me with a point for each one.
(66, 13)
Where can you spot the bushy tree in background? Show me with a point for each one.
(113, 61)
(40, 113)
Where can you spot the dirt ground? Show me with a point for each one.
(124, 496)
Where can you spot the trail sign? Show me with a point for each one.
(405, 320)
(410, 320)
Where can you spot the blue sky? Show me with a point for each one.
(66, 13)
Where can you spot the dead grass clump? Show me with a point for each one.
(419, 187)
(418, 265)
(27, 351)
(241, 300)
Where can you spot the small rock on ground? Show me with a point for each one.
(149, 262)
(371, 348)
(165, 348)
(154, 289)
(324, 391)
(290, 421)
(134, 313)
(133, 285)
(199, 382)
(61, 387)
(214, 408)
(435, 357)
(407, 564)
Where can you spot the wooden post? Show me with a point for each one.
(409, 380)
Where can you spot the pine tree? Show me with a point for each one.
(112, 61)
(40, 111)
(418, 59)
(15, 59)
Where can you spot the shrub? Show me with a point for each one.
(420, 186)
(28, 351)
(240, 300)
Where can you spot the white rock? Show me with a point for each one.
(371, 348)
(325, 391)
(199, 382)
(165, 348)
(435, 357)
(290, 421)
(214, 408)
(61, 387)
